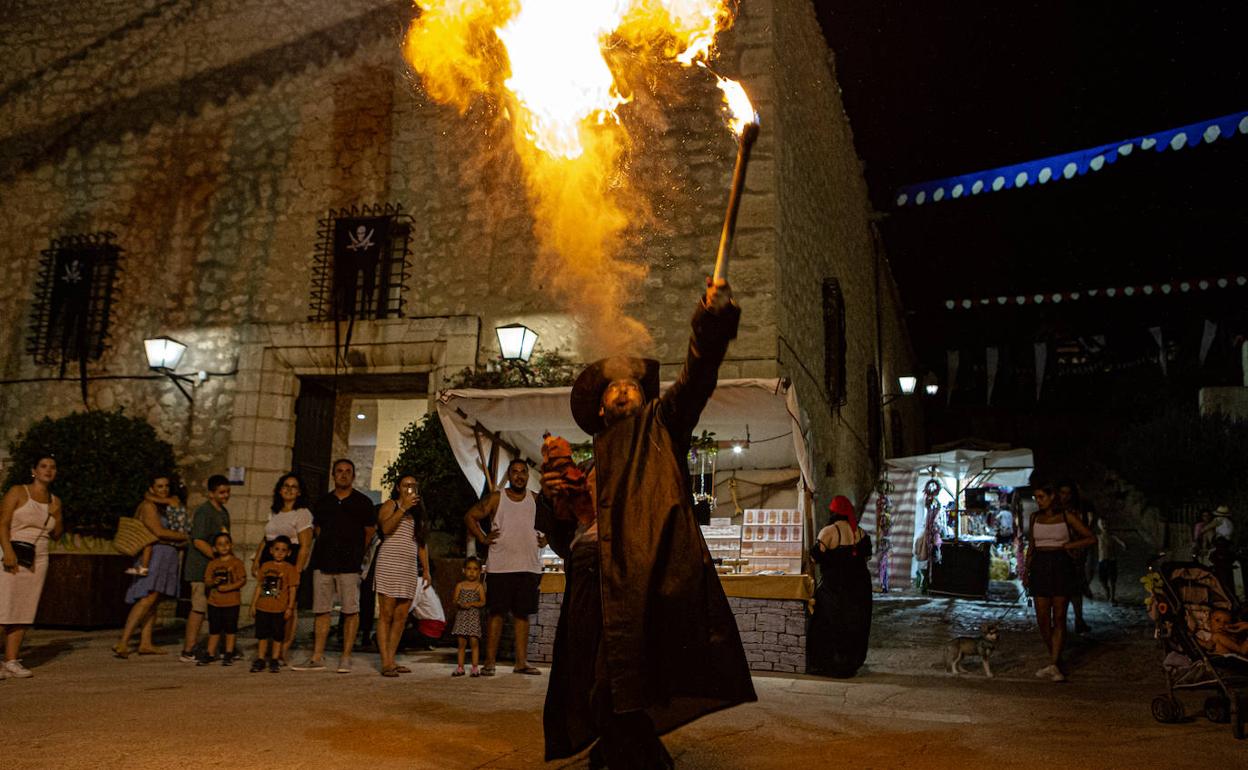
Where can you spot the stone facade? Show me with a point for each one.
(210, 138)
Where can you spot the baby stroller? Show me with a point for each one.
(1183, 596)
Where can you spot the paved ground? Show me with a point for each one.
(85, 709)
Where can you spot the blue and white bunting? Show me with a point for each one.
(1056, 168)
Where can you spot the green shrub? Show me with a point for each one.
(104, 461)
(1179, 458)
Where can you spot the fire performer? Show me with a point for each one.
(646, 640)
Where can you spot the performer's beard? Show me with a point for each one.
(618, 410)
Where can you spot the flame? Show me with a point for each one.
(741, 111)
(558, 72)
(551, 68)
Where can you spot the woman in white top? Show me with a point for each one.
(29, 514)
(1052, 577)
(290, 517)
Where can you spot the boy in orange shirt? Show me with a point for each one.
(273, 603)
(223, 579)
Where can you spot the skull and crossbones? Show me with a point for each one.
(361, 240)
(73, 272)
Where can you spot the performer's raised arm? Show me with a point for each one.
(714, 326)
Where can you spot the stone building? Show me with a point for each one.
(215, 143)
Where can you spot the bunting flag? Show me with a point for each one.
(951, 367)
(1069, 165)
(1042, 357)
(992, 357)
(1206, 339)
(1161, 347)
(1110, 292)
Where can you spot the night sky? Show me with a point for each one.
(940, 88)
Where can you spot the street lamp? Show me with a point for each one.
(931, 386)
(163, 353)
(516, 341)
(907, 384)
(163, 356)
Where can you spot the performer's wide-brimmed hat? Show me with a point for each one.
(590, 383)
(1222, 510)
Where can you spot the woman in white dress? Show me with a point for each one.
(402, 561)
(29, 514)
(290, 517)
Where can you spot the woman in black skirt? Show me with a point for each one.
(836, 640)
(1054, 535)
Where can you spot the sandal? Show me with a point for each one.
(529, 670)
(403, 669)
(487, 671)
(121, 652)
(459, 672)
(475, 672)
(391, 671)
(152, 651)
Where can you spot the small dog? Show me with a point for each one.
(963, 646)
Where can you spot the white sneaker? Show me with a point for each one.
(1057, 675)
(344, 666)
(15, 669)
(1047, 672)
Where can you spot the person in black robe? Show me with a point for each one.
(646, 641)
(836, 641)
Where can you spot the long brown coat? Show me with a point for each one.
(671, 642)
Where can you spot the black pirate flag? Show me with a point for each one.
(360, 281)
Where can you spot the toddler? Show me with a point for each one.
(273, 604)
(1228, 638)
(175, 515)
(223, 579)
(469, 598)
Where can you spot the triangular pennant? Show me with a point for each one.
(1042, 356)
(992, 357)
(1206, 339)
(951, 364)
(1161, 348)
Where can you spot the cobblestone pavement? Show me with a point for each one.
(86, 709)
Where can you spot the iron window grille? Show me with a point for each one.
(74, 299)
(360, 267)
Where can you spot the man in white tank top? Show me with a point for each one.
(513, 564)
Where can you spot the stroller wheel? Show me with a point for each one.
(1166, 709)
(1217, 709)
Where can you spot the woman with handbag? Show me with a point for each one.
(402, 564)
(162, 576)
(29, 515)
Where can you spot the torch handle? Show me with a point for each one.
(744, 145)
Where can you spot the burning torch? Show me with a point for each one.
(744, 124)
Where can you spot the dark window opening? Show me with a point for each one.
(834, 373)
(73, 299)
(361, 263)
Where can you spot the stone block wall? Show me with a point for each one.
(773, 632)
(211, 137)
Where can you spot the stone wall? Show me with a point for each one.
(773, 631)
(211, 137)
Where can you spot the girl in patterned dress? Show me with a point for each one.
(469, 599)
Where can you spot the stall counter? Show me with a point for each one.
(770, 611)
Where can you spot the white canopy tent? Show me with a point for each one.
(1004, 467)
(955, 470)
(488, 427)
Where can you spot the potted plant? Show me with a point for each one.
(104, 461)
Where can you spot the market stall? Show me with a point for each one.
(960, 510)
(749, 476)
